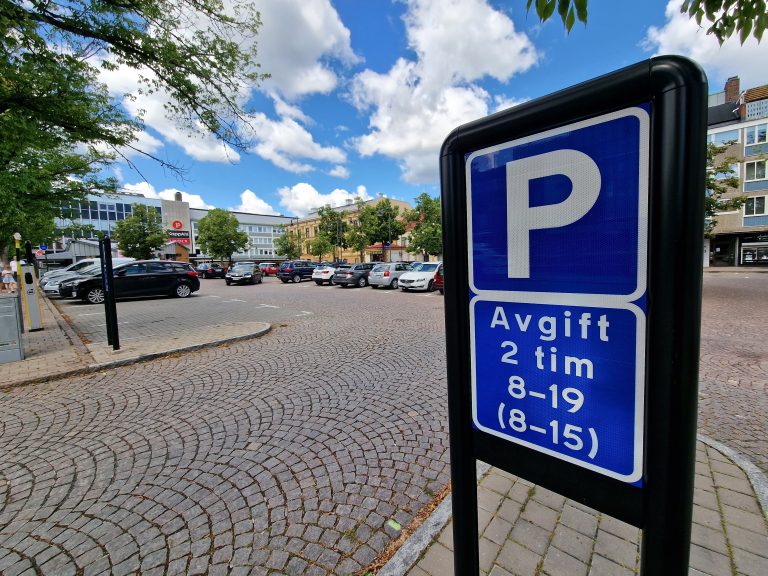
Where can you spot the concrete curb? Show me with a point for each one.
(410, 552)
(133, 359)
(412, 549)
(756, 477)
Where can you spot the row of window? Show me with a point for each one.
(98, 211)
(757, 134)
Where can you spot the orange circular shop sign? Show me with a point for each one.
(177, 224)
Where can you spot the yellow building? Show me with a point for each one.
(308, 229)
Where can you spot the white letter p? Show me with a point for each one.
(584, 175)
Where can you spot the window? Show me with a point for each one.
(755, 170)
(721, 138)
(756, 134)
(754, 206)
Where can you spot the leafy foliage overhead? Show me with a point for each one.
(199, 52)
(726, 17)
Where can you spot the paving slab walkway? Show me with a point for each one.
(527, 530)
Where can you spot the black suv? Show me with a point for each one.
(140, 278)
(353, 274)
(296, 270)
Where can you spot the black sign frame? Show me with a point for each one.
(676, 88)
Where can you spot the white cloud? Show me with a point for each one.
(504, 103)
(286, 142)
(417, 103)
(252, 204)
(145, 188)
(199, 144)
(681, 35)
(339, 172)
(296, 41)
(302, 198)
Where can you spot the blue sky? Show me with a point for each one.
(363, 92)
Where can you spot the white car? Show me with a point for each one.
(323, 273)
(421, 277)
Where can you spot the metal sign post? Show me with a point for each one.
(108, 284)
(574, 225)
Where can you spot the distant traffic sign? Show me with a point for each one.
(43, 246)
(40, 252)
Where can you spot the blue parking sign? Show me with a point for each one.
(562, 211)
(557, 228)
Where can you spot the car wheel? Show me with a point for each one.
(283, 280)
(229, 282)
(394, 283)
(296, 278)
(319, 282)
(363, 282)
(374, 286)
(442, 291)
(95, 296)
(204, 275)
(260, 280)
(431, 286)
(182, 290)
(252, 281)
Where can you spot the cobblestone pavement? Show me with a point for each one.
(733, 376)
(289, 454)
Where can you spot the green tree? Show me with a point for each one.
(357, 239)
(427, 233)
(59, 125)
(219, 236)
(727, 17)
(140, 234)
(319, 246)
(721, 179)
(288, 244)
(333, 226)
(388, 226)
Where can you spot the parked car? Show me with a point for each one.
(387, 274)
(324, 273)
(422, 278)
(140, 278)
(439, 278)
(353, 274)
(269, 268)
(243, 273)
(50, 285)
(211, 270)
(296, 270)
(79, 266)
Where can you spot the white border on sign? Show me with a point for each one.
(638, 445)
(642, 207)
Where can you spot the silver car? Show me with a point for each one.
(387, 274)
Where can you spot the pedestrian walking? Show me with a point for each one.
(9, 283)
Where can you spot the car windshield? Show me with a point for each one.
(416, 266)
(380, 267)
(242, 267)
(427, 267)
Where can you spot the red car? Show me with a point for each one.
(439, 280)
(269, 268)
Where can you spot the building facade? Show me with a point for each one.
(180, 222)
(307, 229)
(740, 119)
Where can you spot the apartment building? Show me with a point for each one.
(740, 118)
